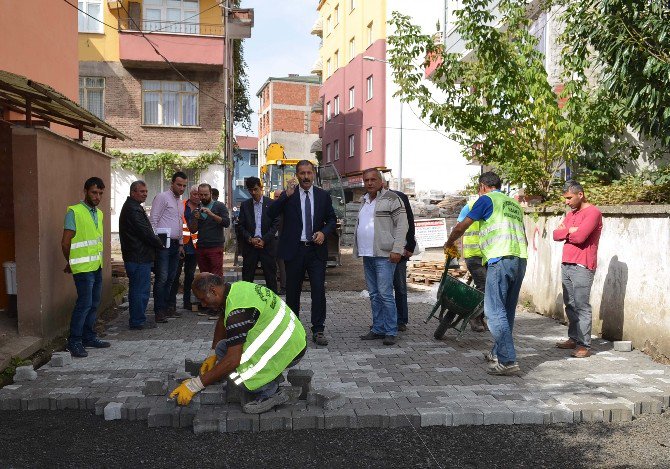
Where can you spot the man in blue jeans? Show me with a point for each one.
(400, 276)
(166, 217)
(502, 239)
(381, 229)
(138, 248)
(82, 248)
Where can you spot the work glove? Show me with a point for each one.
(209, 363)
(452, 252)
(186, 390)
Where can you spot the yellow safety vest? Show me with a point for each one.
(471, 239)
(86, 246)
(503, 234)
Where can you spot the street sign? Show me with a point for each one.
(431, 232)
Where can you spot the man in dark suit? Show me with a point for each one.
(257, 232)
(308, 219)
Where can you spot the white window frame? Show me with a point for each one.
(336, 105)
(352, 97)
(328, 114)
(329, 25)
(352, 145)
(180, 95)
(370, 88)
(86, 24)
(328, 153)
(336, 15)
(83, 94)
(253, 156)
(352, 48)
(336, 57)
(187, 23)
(368, 140)
(370, 37)
(336, 149)
(328, 67)
(352, 5)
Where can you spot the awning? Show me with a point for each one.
(317, 106)
(318, 66)
(317, 29)
(34, 99)
(316, 146)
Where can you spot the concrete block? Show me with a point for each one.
(620, 414)
(301, 378)
(276, 420)
(237, 421)
(160, 415)
(341, 418)
(372, 418)
(528, 416)
(128, 410)
(213, 395)
(652, 406)
(24, 373)
(112, 411)
(623, 345)
(467, 416)
(403, 418)
(593, 414)
(186, 417)
(205, 422)
(498, 417)
(328, 400)
(192, 367)
(59, 359)
(10, 403)
(562, 416)
(155, 387)
(67, 401)
(432, 416)
(308, 419)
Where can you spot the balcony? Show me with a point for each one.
(189, 46)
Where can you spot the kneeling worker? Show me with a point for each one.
(256, 338)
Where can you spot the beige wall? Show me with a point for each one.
(49, 174)
(629, 293)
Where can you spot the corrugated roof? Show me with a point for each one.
(20, 94)
(245, 142)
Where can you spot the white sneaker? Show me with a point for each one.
(490, 358)
(504, 370)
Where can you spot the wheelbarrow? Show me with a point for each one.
(457, 303)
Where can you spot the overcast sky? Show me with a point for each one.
(280, 44)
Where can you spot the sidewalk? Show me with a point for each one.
(419, 381)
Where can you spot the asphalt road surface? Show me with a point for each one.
(81, 439)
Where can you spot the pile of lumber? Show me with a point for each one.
(429, 272)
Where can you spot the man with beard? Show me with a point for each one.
(208, 221)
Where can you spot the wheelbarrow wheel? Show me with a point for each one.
(445, 323)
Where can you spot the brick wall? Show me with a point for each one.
(123, 108)
(288, 120)
(292, 94)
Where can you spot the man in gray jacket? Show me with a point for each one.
(381, 230)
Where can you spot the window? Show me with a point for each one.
(337, 149)
(352, 95)
(336, 14)
(253, 158)
(169, 103)
(369, 82)
(92, 95)
(352, 5)
(336, 59)
(329, 25)
(328, 111)
(368, 139)
(328, 153)
(156, 182)
(328, 68)
(370, 37)
(352, 48)
(336, 105)
(174, 16)
(86, 23)
(352, 141)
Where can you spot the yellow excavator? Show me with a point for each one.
(279, 170)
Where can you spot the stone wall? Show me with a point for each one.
(629, 294)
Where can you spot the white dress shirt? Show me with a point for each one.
(365, 233)
(302, 210)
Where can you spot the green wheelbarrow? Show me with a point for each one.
(457, 303)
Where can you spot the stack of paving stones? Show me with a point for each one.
(352, 383)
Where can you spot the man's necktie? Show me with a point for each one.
(308, 217)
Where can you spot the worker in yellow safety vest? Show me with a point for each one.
(502, 240)
(82, 246)
(190, 260)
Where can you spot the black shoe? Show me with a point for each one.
(138, 327)
(77, 350)
(188, 306)
(96, 343)
(372, 336)
(402, 327)
(389, 340)
(160, 317)
(319, 339)
(172, 312)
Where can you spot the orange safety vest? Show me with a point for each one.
(185, 231)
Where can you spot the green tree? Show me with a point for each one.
(625, 46)
(499, 105)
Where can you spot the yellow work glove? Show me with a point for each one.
(208, 364)
(452, 252)
(186, 390)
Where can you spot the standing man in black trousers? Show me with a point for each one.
(258, 232)
(400, 276)
(308, 219)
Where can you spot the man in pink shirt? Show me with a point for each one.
(581, 232)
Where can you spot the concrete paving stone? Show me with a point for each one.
(498, 417)
(160, 415)
(465, 416)
(128, 410)
(100, 404)
(186, 417)
(213, 395)
(375, 418)
(24, 373)
(531, 416)
(340, 418)
(192, 367)
(238, 421)
(67, 401)
(623, 345)
(308, 419)
(60, 359)
(404, 418)
(155, 387)
(434, 416)
(208, 422)
(112, 411)
(620, 414)
(276, 420)
(562, 415)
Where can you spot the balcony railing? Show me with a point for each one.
(171, 27)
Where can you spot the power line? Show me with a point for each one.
(90, 16)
